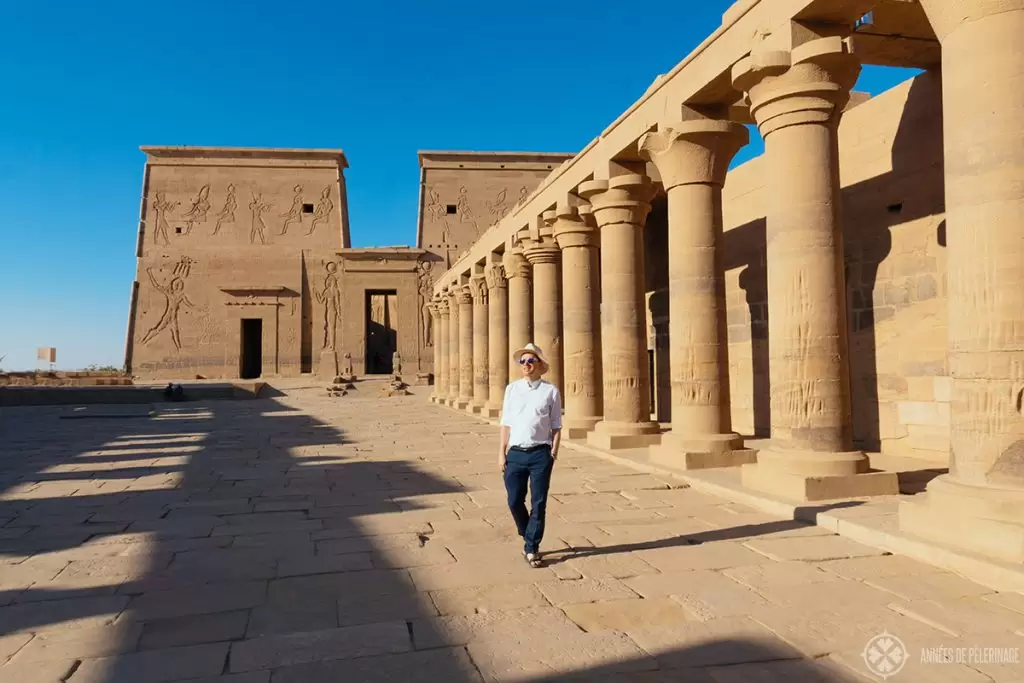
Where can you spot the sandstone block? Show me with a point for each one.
(155, 666)
(270, 652)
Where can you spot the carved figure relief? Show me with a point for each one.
(258, 207)
(498, 206)
(524, 192)
(200, 208)
(435, 209)
(294, 214)
(330, 297)
(465, 210)
(174, 295)
(426, 289)
(161, 206)
(227, 214)
(323, 209)
(396, 363)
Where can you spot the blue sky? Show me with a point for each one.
(85, 84)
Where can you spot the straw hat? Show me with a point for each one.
(535, 350)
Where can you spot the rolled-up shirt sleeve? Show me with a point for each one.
(506, 414)
(556, 410)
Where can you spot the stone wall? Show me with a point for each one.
(892, 177)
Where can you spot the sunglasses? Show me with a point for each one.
(527, 361)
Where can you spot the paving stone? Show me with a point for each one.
(814, 548)
(304, 590)
(616, 566)
(706, 594)
(11, 644)
(718, 555)
(194, 630)
(935, 585)
(624, 615)
(60, 615)
(765, 577)
(154, 666)
(462, 575)
(495, 598)
(276, 620)
(206, 599)
(784, 671)
(37, 672)
(913, 669)
(251, 677)
(324, 564)
(354, 609)
(81, 643)
(862, 568)
(718, 642)
(561, 593)
(270, 652)
(450, 664)
(963, 617)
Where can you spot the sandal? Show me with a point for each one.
(533, 559)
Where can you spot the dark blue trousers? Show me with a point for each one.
(531, 466)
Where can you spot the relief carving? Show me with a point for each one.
(323, 210)
(426, 288)
(330, 296)
(227, 214)
(435, 209)
(161, 206)
(258, 207)
(293, 214)
(496, 276)
(200, 208)
(498, 207)
(465, 210)
(174, 296)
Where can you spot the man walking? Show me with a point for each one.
(531, 431)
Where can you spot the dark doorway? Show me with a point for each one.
(252, 348)
(381, 331)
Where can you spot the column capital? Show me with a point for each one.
(573, 226)
(478, 289)
(464, 295)
(495, 275)
(515, 264)
(696, 151)
(808, 84)
(442, 307)
(620, 199)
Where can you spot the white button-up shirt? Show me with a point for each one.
(532, 411)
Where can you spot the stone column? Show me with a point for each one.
(692, 158)
(797, 98)
(465, 348)
(453, 346)
(541, 250)
(520, 305)
(439, 315)
(481, 359)
(979, 505)
(576, 232)
(620, 207)
(497, 348)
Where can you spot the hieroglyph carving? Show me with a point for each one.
(426, 289)
(435, 209)
(227, 214)
(293, 214)
(160, 207)
(200, 208)
(498, 206)
(465, 210)
(322, 214)
(330, 297)
(258, 207)
(174, 295)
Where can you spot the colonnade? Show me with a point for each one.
(572, 280)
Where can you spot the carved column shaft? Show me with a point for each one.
(465, 347)
(481, 379)
(544, 257)
(520, 306)
(453, 348)
(498, 351)
(577, 235)
(692, 158)
(620, 207)
(442, 351)
(435, 321)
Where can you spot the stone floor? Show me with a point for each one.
(301, 539)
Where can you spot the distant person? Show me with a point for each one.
(531, 431)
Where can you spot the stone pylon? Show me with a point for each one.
(497, 348)
(481, 383)
(797, 98)
(620, 207)
(541, 250)
(465, 299)
(438, 314)
(453, 346)
(576, 232)
(520, 304)
(692, 158)
(979, 505)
